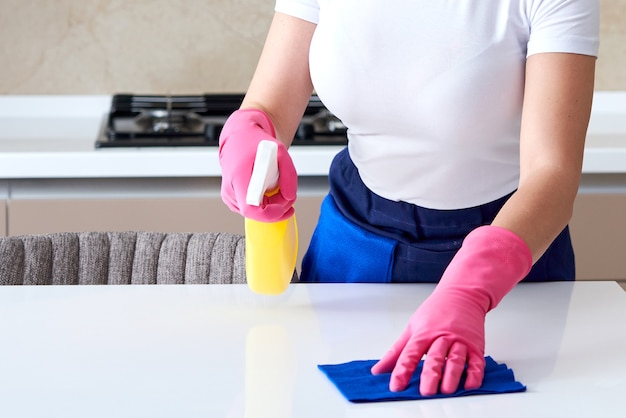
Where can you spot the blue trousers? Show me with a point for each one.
(363, 237)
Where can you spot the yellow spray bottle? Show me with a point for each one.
(271, 247)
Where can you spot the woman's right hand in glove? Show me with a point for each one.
(238, 142)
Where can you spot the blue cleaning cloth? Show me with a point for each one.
(355, 381)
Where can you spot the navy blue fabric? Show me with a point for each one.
(357, 384)
(347, 253)
(426, 239)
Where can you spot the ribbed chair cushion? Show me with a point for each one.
(70, 258)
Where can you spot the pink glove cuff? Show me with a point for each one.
(246, 120)
(491, 261)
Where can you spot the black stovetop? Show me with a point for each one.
(197, 120)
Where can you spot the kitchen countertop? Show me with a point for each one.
(222, 351)
(53, 137)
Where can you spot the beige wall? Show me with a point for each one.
(138, 46)
(611, 72)
(176, 47)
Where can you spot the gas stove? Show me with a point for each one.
(197, 120)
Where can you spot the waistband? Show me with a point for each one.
(402, 221)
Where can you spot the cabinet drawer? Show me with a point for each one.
(598, 228)
(598, 225)
(40, 216)
(37, 216)
(3, 218)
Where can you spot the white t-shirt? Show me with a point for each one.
(431, 91)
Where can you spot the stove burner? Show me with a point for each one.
(137, 120)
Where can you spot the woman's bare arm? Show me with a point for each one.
(557, 106)
(281, 85)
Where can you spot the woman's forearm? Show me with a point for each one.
(281, 85)
(557, 106)
(540, 209)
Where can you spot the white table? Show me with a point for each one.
(221, 351)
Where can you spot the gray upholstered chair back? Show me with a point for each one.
(122, 258)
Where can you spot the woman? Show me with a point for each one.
(466, 126)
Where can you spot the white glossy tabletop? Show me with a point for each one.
(221, 351)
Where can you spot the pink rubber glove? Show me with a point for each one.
(240, 136)
(449, 327)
